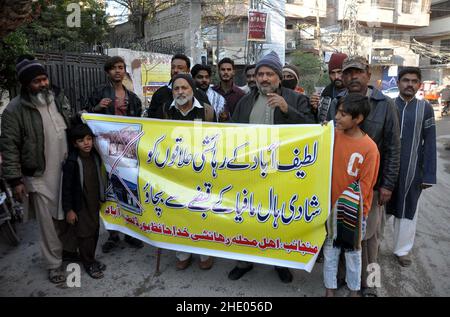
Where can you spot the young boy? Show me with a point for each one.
(355, 169)
(81, 194)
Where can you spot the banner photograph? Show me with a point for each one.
(256, 193)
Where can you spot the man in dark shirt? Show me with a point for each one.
(115, 99)
(186, 107)
(163, 96)
(226, 87)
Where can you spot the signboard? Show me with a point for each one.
(384, 56)
(257, 25)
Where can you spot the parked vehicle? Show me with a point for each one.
(11, 213)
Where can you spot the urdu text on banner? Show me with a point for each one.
(255, 193)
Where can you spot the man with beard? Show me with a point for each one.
(249, 72)
(202, 77)
(417, 161)
(34, 146)
(270, 104)
(382, 125)
(114, 98)
(291, 78)
(187, 108)
(334, 89)
(163, 97)
(226, 87)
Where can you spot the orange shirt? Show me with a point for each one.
(354, 158)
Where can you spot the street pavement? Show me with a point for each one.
(131, 272)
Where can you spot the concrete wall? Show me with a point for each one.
(374, 15)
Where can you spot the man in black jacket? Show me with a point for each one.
(163, 97)
(382, 125)
(114, 98)
(322, 102)
(34, 145)
(270, 104)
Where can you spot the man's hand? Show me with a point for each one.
(314, 100)
(104, 103)
(384, 195)
(275, 100)
(20, 193)
(71, 217)
(425, 186)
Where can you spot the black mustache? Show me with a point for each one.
(354, 82)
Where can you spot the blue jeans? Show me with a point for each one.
(330, 266)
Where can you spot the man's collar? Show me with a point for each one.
(403, 99)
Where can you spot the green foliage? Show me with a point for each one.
(49, 31)
(311, 73)
(11, 46)
(51, 25)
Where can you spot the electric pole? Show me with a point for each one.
(319, 40)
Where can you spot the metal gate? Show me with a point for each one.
(76, 73)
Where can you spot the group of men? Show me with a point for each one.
(34, 146)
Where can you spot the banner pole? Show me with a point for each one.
(158, 260)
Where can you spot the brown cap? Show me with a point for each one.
(358, 62)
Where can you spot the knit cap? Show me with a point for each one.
(336, 61)
(28, 68)
(273, 61)
(186, 77)
(293, 70)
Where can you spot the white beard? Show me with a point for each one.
(266, 90)
(181, 100)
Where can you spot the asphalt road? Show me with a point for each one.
(131, 272)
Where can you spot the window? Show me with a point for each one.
(407, 6)
(295, 1)
(232, 28)
(386, 4)
(440, 10)
(289, 27)
(378, 35)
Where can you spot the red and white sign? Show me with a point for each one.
(257, 25)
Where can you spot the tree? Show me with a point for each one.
(311, 74)
(52, 25)
(140, 11)
(15, 13)
(217, 13)
(47, 25)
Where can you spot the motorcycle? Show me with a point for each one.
(445, 109)
(11, 213)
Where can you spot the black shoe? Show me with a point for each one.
(284, 274)
(68, 256)
(111, 243)
(133, 242)
(238, 272)
(341, 283)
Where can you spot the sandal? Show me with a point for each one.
(110, 244)
(101, 266)
(56, 275)
(369, 292)
(94, 271)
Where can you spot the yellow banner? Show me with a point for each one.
(256, 193)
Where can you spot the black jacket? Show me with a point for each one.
(22, 136)
(299, 110)
(382, 125)
(163, 98)
(72, 185)
(134, 107)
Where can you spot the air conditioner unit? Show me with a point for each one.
(290, 45)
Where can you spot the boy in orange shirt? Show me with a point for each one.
(355, 170)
